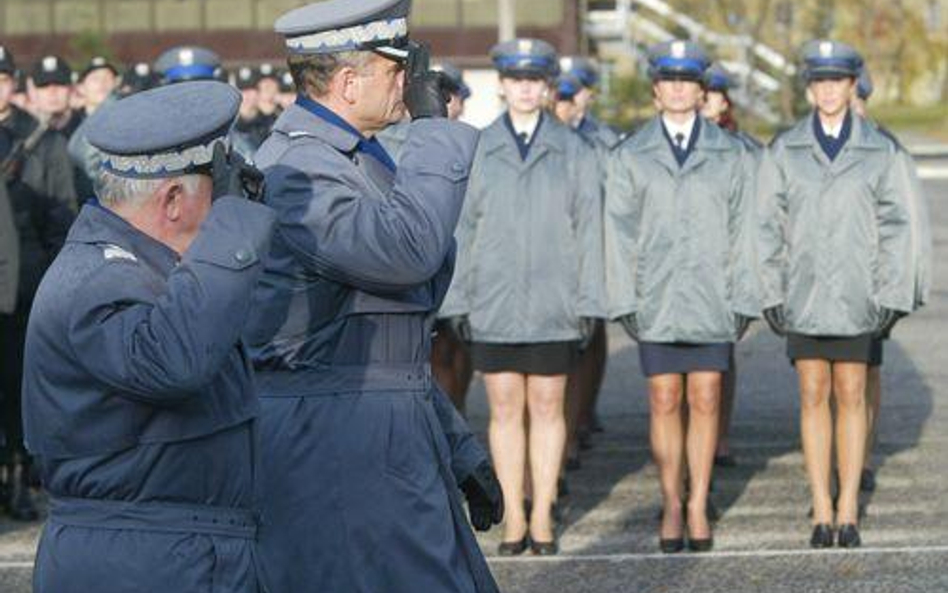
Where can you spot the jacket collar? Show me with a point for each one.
(711, 139)
(296, 121)
(497, 138)
(863, 137)
(97, 225)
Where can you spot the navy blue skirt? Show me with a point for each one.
(676, 358)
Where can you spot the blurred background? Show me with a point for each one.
(905, 42)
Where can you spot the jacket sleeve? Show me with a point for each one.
(166, 348)
(466, 451)
(620, 232)
(587, 212)
(376, 245)
(771, 228)
(741, 233)
(458, 300)
(9, 254)
(896, 271)
(921, 227)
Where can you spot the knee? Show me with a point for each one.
(506, 411)
(849, 394)
(547, 407)
(814, 397)
(665, 402)
(704, 402)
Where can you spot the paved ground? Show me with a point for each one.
(609, 532)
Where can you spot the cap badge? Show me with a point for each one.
(142, 69)
(186, 57)
(525, 46)
(826, 49)
(678, 50)
(50, 63)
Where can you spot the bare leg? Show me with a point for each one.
(667, 437)
(704, 398)
(727, 409)
(849, 388)
(873, 405)
(545, 400)
(816, 432)
(506, 394)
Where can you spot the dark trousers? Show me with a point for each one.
(12, 340)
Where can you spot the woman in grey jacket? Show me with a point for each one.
(838, 270)
(528, 282)
(681, 275)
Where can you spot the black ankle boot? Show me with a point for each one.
(19, 499)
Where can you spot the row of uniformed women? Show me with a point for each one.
(701, 232)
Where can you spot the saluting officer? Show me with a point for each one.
(838, 270)
(529, 282)
(681, 274)
(362, 454)
(138, 400)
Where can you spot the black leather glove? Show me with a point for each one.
(233, 176)
(631, 325)
(426, 95)
(587, 330)
(485, 500)
(742, 324)
(461, 327)
(887, 320)
(776, 320)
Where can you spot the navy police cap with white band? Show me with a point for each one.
(567, 86)
(335, 26)
(525, 57)
(581, 68)
(166, 131)
(677, 60)
(825, 59)
(187, 62)
(717, 78)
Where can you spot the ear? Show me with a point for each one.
(170, 200)
(344, 84)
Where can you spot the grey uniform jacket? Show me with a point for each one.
(835, 237)
(679, 240)
(9, 254)
(529, 239)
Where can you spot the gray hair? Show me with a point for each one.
(115, 190)
(313, 72)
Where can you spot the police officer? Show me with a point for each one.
(38, 156)
(576, 94)
(528, 283)
(287, 93)
(139, 77)
(250, 125)
(51, 92)
(838, 270)
(138, 399)
(681, 275)
(718, 108)
(98, 83)
(921, 245)
(98, 80)
(268, 91)
(362, 454)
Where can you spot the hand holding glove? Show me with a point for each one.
(485, 500)
(587, 330)
(631, 325)
(426, 95)
(776, 319)
(887, 320)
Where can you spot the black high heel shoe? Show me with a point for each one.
(848, 536)
(513, 548)
(671, 546)
(822, 536)
(550, 548)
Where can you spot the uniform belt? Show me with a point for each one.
(163, 517)
(332, 380)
